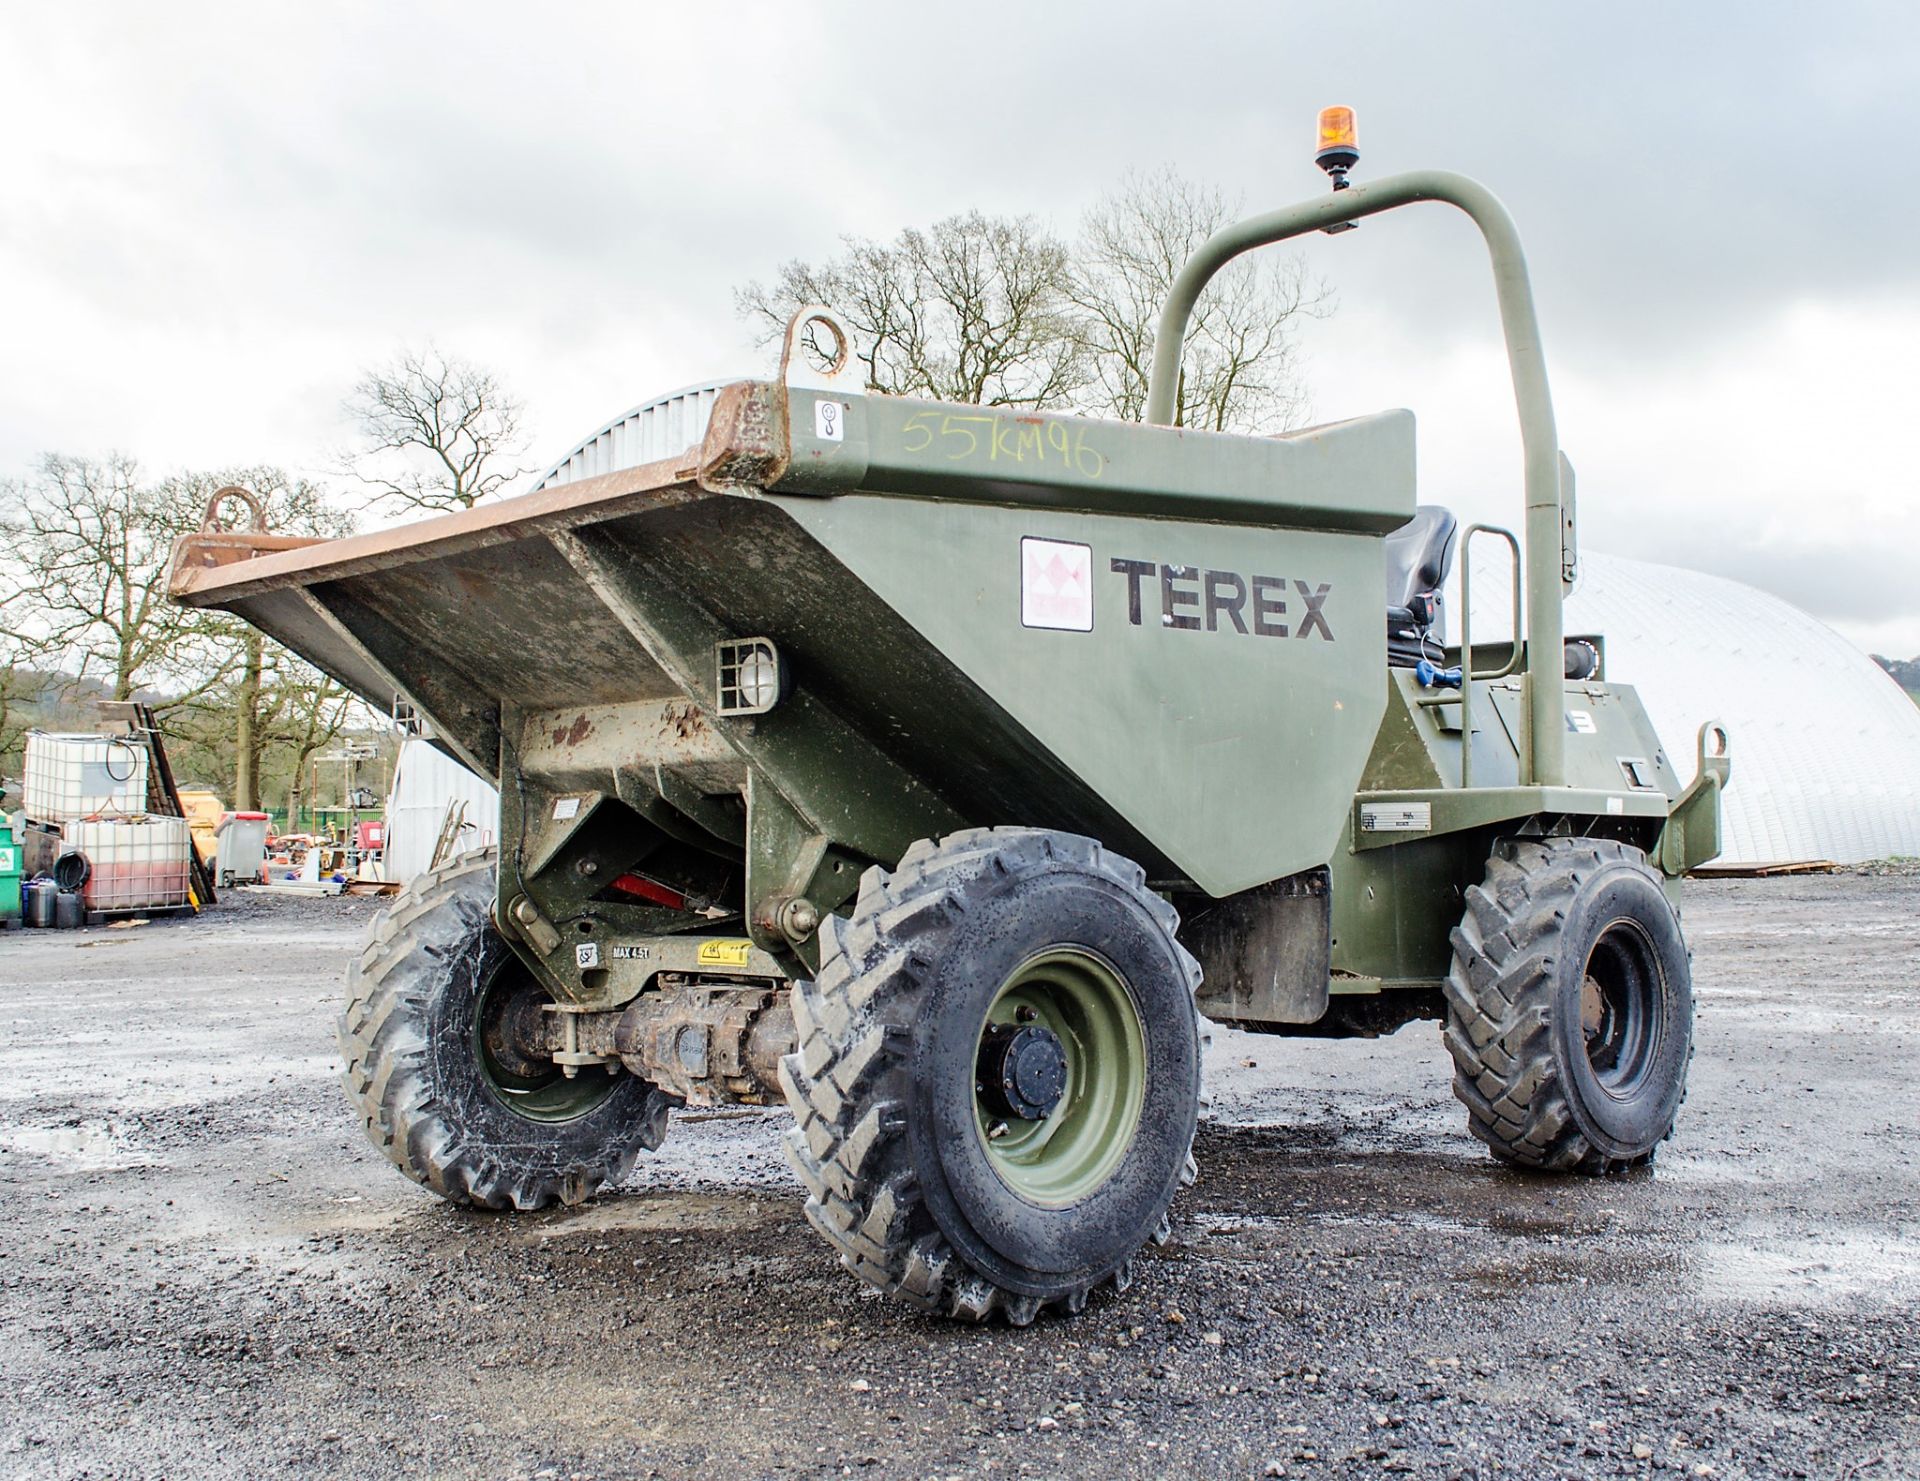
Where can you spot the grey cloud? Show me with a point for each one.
(1673, 167)
(590, 185)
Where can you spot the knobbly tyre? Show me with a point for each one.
(941, 771)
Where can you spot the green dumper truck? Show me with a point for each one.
(942, 771)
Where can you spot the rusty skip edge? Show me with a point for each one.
(745, 447)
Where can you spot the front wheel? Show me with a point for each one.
(998, 1074)
(442, 1039)
(1570, 1006)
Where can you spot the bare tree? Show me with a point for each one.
(268, 696)
(93, 542)
(437, 432)
(88, 610)
(17, 676)
(281, 702)
(973, 309)
(1238, 368)
(23, 683)
(998, 311)
(313, 719)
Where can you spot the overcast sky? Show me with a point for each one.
(215, 215)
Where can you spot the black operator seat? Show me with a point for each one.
(1419, 555)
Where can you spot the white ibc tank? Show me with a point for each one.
(135, 863)
(77, 776)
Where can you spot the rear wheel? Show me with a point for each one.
(441, 1038)
(1570, 1006)
(998, 1074)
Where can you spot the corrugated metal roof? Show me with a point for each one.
(653, 430)
(1826, 747)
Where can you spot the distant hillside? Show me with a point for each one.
(1905, 672)
(67, 693)
(40, 700)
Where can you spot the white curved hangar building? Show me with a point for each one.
(1826, 747)
(654, 429)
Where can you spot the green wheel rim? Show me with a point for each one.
(548, 1096)
(1087, 1005)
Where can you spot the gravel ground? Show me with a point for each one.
(205, 1271)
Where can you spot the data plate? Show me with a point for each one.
(1396, 817)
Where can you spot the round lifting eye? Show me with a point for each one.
(828, 352)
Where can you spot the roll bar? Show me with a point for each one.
(1543, 759)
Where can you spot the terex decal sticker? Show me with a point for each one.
(1194, 600)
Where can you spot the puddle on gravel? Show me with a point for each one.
(158, 1072)
(1213, 1224)
(1746, 929)
(1855, 1267)
(1808, 1021)
(654, 1213)
(1706, 1167)
(86, 1146)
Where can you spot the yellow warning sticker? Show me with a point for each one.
(724, 953)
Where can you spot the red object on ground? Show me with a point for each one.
(370, 836)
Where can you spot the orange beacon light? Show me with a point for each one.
(1339, 146)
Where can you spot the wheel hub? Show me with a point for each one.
(1059, 1076)
(510, 1040)
(1617, 1008)
(513, 1030)
(1022, 1070)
